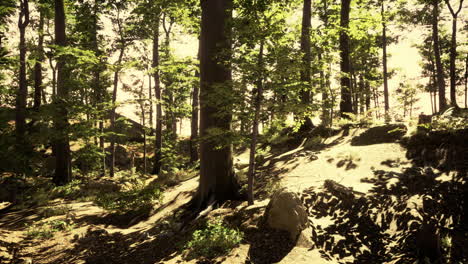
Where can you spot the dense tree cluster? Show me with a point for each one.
(257, 65)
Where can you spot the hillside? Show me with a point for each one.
(366, 202)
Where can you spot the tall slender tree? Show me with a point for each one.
(157, 93)
(121, 45)
(437, 56)
(453, 51)
(346, 105)
(306, 79)
(22, 93)
(38, 89)
(195, 118)
(384, 61)
(61, 145)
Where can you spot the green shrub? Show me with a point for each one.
(54, 211)
(136, 198)
(47, 229)
(71, 190)
(214, 240)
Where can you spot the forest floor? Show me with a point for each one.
(373, 225)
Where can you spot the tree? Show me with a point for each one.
(306, 60)
(157, 93)
(22, 93)
(62, 146)
(121, 45)
(437, 55)
(39, 59)
(194, 117)
(217, 182)
(384, 60)
(453, 52)
(346, 105)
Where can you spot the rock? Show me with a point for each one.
(304, 240)
(286, 212)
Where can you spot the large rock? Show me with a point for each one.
(286, 212)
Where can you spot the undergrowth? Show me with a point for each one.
(45, 230)
(214, 240)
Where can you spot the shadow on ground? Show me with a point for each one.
(416, 214)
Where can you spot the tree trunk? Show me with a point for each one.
(112, 114)
(466, 82)
(346, 105)
(253, 142)
(194, 120)
(384, 63)
(306, 95)
(38, 65)
(217, 182)
(150, 95)
(62, 145)
(439, 67)
(143, 123)
(99, 90)
(157, 93)
(22, 93)
(453, 53)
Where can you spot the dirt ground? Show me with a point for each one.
(375, 220)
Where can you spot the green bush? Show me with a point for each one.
(136, 198)
(71, 190)
(47, 229)
(214, 240)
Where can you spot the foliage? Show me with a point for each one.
(137, 197)
(50, 211)
(46, 230)
(214, 240)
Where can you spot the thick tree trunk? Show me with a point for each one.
(194, 120)
(253, 142)
(22, 93)
(453, 52)
(384, 63)
(62, 145)
(438, 60)
(217, 181)
(306, 95)
(38, 89)
(346, 105)
(157, 93)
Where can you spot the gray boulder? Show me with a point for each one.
(286, 212)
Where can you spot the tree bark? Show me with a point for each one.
(253, 142)
(439, 67)
(306, 94)
(22, 93)
(112, 117)
(217, 182)
(114, 96)
(466, 82)
(194, 120)
(157, 93)
(38, 89)
(346, 105)
(384, 63)
(99, 90)
(62, 145)
(453, 52)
